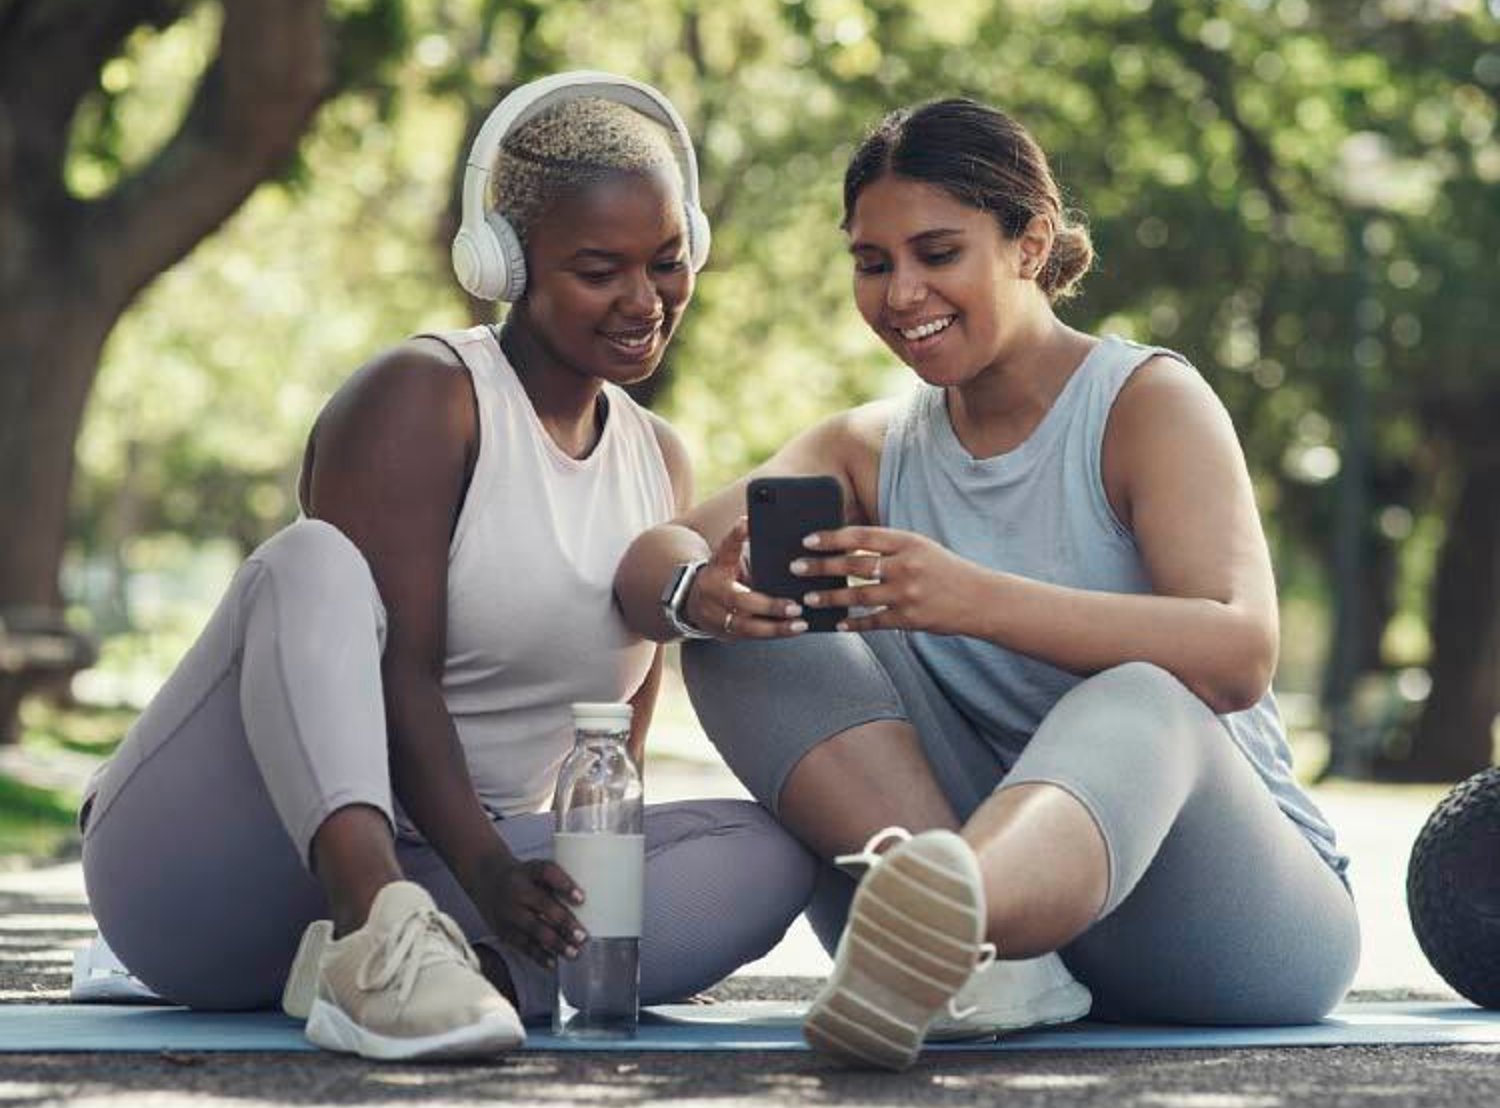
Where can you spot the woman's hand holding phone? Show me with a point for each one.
(912, 582)
(722, 602)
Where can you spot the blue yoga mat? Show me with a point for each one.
(753, 1025)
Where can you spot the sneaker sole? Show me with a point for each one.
(914, 933)
(329, 1027)
(302, 981)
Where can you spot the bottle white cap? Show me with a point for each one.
(601, 716)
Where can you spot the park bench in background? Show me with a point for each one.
(39, 651)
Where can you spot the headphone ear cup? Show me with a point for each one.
(475, 262)
(510, 282)
(699, 236)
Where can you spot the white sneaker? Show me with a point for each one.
(406, 986)
(99, 977)
(1009, 996)
(914, 937)
(302, 981)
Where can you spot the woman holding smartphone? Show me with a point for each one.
(1048, 730)
(371, 725)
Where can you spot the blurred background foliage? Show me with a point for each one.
(1302, 197)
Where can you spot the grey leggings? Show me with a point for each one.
(197, 832)
(1218, 909)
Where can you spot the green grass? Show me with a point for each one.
(34, 822)
(37, 805)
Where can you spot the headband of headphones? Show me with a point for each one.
(487, 255)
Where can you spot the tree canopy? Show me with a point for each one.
(1300, 197)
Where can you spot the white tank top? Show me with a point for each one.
(532, 620)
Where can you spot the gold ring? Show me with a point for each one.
(875, 569)
(729, 621)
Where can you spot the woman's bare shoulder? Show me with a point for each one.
(847, 445)
(867, 424)
(419, 379)
(414, 399)
(1163, 380)
(835, 441)
(1166, 416)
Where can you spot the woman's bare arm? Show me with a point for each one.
(1175, 475)
(845, 447)
(394, 449)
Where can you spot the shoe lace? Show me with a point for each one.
(425, 937)
(870, 856)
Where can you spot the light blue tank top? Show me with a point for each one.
(1040, 511)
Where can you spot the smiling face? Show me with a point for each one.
(608, 277)
(939, 281)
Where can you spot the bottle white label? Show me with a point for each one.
(611, 871)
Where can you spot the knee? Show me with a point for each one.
(747, 818)
(1139, 702)
(795, 863)
(771, 850)
(316, 562)
(311, 543)
(1142, 682)
(1145, 689)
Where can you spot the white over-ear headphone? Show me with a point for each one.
(487, 255)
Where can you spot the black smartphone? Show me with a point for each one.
(783, 511)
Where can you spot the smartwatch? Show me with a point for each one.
(674, 599)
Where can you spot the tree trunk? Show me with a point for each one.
(69, 267)
(1453, 739)
(1349, 753)
(49, 351)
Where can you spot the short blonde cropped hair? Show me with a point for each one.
(568, 147)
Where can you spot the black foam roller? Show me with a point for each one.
(1453, 888)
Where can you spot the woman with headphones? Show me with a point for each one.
(370, 727)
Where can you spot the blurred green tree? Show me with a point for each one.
(1224, 152)
(72, 260)
(1314, 193)
(1301, 197)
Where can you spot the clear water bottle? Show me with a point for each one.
(600, 842)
